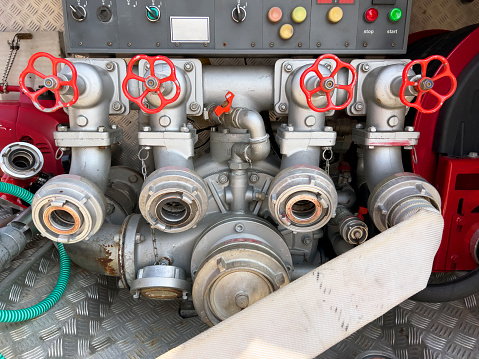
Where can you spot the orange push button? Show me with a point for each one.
(275, 14)
(286, 31)
(335, 14)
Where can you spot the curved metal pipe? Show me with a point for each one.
(380, 163)
(259, 146)
(92, 163)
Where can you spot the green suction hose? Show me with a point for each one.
(19, 315)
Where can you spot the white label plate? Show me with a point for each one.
(190, 29)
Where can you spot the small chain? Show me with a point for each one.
(155, 248)
(14, 46)
(143, 164)
(328, 159)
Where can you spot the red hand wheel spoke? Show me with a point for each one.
(55, 82)
(421, 91)
(156, 81)
(331, 86)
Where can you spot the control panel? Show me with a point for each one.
(237, 27)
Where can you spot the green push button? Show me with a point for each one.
(395, 14)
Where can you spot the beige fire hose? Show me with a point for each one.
(323, 307)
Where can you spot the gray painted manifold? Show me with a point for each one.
(236, 184)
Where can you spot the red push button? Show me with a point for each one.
(371, 14)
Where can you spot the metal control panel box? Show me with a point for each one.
(237, 27)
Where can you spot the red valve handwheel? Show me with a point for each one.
(426, 84)
(52, 82)
(152, 83)
(327, 84)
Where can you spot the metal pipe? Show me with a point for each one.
(14, 237)
(252, 85)
(92, 163)
(380, 163)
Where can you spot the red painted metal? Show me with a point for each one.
(17, 182)
(424, 34)
(459, 189)
(21, 121)
(322, 80)
(132, 76)
(434, 90)
(33, 95)
(454, 252)
(458, 59)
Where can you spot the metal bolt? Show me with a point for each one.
(310, 121)
(473, 155)
(346, 44)
(223, 178)
(128, 44)
(358, 106)
(260, 196)
(239, 228)
(409, 129)
(365, 67)
(165, 121)
(282, 107)
(101, 129)
(372, 129)
(164, 261)
(205, 44)
(189, 67)
(306, 240)
(253, 178)
(241, 300)
(117, 106)
(146, 129)
(194, 106)
(184, 128)
(157, 44)
(133, 179)
(288, 67)
(365, 44)
(359, 126)
(328, 66)
(318, 44)
(82, 121)
(393, 121)
(116, 238)
(80, 43)
(300, 44)
(253, 44)
(290, 128)
(271, 44)
(110, 66)
(139, 238)
(328, 129)
(114, 127)
(109, 43)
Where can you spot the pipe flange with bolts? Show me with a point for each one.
(173, 199)
(303, 198)
(399, 196)
(21, 160)
(68, 209)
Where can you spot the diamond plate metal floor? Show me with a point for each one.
(95, 319)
